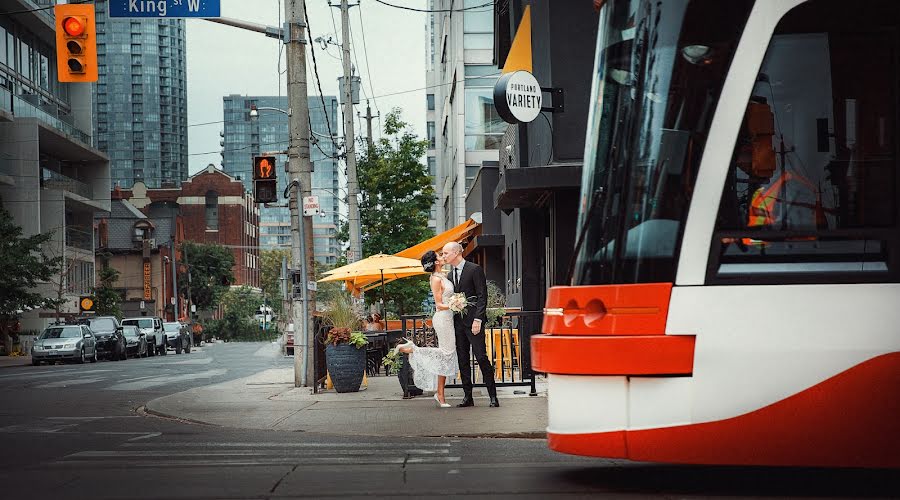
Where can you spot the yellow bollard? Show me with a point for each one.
(328, 384)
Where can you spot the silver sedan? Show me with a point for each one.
(65, 342)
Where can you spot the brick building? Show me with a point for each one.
(209, 207)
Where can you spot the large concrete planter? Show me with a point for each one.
(346, 365)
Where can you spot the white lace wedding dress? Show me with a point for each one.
(429, 362)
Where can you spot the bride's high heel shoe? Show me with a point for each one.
(442, 405)
(408, 344)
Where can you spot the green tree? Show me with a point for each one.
(106, 298)
(23, 267)
(239, 306)
(210, 271)
(326, 292)
(397, 195)
(270, 276)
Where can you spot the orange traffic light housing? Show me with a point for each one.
(76, 43)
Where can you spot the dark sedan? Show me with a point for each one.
(177, 337)
(136, 342)
(108, 331)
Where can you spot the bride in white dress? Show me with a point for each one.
(432, 365)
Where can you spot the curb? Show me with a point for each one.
(145, 411)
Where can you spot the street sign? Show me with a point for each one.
(86, 304)
(311, 205)
(143, 305)
(164, 8)
(172, 300)
(312, 286)
(193, 308)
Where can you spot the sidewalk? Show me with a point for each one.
(6, 361)
(269, 400)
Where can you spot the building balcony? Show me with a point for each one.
(80, 238)
(6, 108)
(22, 108)
(55, 180)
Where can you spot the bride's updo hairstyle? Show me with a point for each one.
(429, 260)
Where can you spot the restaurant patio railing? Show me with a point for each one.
(508, 347)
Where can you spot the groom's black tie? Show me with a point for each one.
(455, 277)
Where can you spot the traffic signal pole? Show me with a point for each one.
(299, 181)
(299, 169)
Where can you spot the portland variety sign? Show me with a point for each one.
(517, 97)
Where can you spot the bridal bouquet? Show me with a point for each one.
(458, 303)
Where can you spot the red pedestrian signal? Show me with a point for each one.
(265, 179)
(264, 168)
(76, 43)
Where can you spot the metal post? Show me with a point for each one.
(369, 118)
(349, 140)
(299, 168)
(190, 301)
(174, 282)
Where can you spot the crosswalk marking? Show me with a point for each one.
(384, 446)
(298, 461)
(168, 379)
(165, 454)
(241, 453)
(66, 383)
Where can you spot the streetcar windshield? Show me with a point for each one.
(659, 70)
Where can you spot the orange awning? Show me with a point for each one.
(461, 233)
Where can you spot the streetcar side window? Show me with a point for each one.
(811, 195)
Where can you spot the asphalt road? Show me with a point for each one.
(76, 431)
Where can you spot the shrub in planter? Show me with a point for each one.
(345, 353)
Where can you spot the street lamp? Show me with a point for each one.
(254, 110)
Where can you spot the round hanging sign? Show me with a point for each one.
(517, 97)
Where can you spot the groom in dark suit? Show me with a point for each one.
(469, 279)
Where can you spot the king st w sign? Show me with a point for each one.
(164, 8)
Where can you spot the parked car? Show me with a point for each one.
(136, 341)
(108, 332)
(64, 342)
(177, 337)
(152, 328)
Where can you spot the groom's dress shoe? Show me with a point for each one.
(495, 403)
(466, 402)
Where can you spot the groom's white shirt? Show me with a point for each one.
(459, 268)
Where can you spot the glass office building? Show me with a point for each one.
(243, 138)
(140, 99)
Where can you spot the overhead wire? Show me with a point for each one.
(312, 50)
(362, 29)
(403, 7)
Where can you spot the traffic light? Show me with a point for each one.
(86, 304)
(265, 179)
(76, 43)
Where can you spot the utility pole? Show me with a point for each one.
(349, 139)
(369, 118)
(190, 301)
(299, 168)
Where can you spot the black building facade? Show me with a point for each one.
(534, 190)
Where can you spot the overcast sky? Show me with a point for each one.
(222, 60)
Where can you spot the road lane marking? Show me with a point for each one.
(66, 383)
